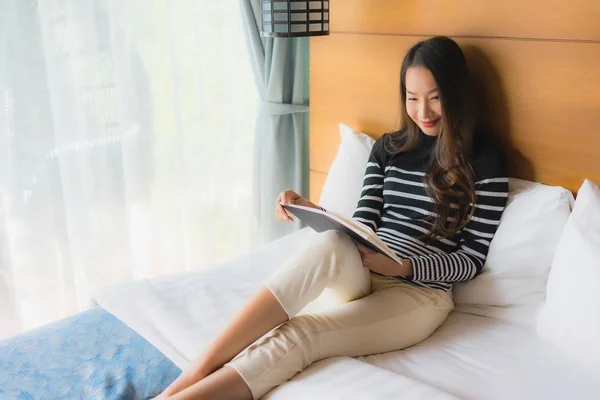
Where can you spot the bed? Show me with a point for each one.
(159, 325)
(136, 337)
(470, 357)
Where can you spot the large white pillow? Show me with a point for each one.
(571, 316)
(521, 252)
(344, 182)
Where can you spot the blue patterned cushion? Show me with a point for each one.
(91, 355)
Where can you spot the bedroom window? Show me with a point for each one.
(126, 134)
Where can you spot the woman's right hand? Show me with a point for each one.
(288, 197)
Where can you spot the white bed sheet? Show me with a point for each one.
(481, 358)
(344, 378)
(469, 357)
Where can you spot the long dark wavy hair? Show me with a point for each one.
(450, 179)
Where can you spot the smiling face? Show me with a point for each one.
(423, 103)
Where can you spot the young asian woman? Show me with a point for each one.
(434, 191)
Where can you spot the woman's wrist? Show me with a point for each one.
(396, 269)
(407, 268)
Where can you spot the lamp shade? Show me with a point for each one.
(293, 18)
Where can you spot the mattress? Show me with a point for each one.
(469, 357)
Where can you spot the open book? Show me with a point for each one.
(322, 221)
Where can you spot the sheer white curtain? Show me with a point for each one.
(126, 136)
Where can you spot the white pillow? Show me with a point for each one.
(571, 316)
(344, 182)
(521, 252)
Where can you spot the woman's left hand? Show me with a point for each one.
(381, 264)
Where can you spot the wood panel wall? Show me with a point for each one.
(538, 65)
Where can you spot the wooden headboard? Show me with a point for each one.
(537, 63)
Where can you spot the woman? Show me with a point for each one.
(431, 191)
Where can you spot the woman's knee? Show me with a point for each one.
(334, 243)
(333, 240)
(352, 279)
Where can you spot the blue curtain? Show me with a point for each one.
(281, 142)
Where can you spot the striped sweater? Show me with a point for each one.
(395, 204)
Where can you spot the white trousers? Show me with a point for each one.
(366, 313)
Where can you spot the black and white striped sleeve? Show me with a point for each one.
(491, 190)
(370, 204)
